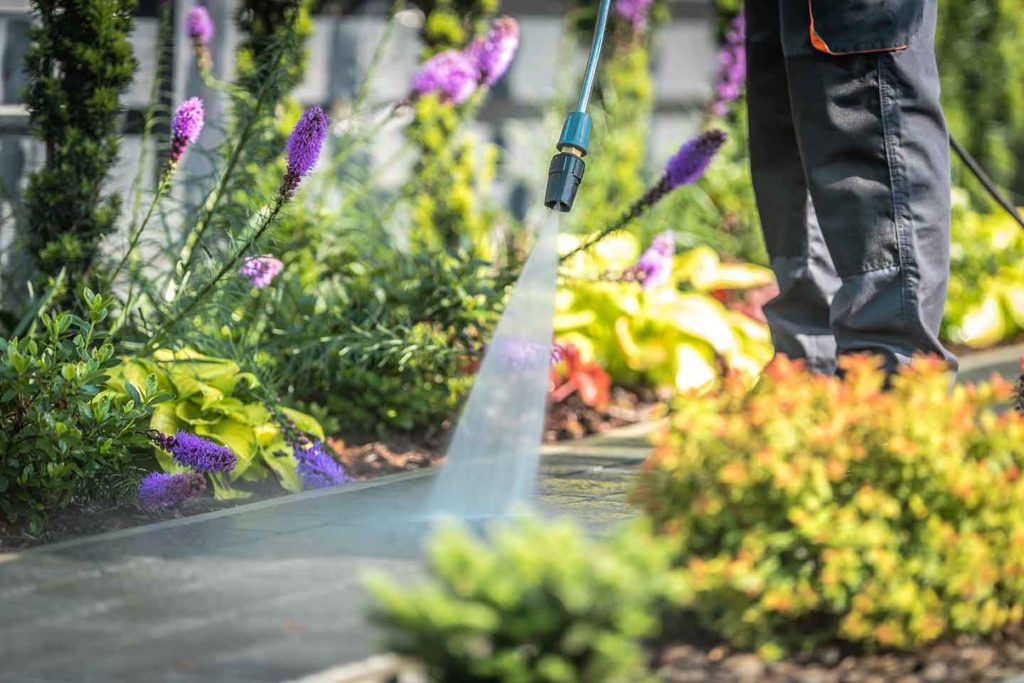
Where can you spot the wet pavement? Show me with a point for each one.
(265, 592)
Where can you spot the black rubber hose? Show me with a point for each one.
(985, 181)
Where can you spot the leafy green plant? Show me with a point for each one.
(540, 603)
(79, 63)
(815, 508)
(979, 46)
(986, 286)
(213, 398)
(677, 337)
(60, 436)
(383, 343)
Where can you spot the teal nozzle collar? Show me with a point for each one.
(576, 131)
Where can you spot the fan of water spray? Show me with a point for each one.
(493, 457)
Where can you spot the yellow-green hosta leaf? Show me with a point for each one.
(231, 407)
(639, 356)
(700, 316)
(695, 370)
(573, 320)
(223, 490)
(266, 433)
(305, 423)
(1013, 299)
(192, 414)
(256, 414)
(735, 276)
(281, 460)
(699, 263)
(982, 325)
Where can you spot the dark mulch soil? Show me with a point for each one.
(962, 660)
(572, 419)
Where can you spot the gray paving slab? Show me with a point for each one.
(266, 592)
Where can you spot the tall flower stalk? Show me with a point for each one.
(732, 67)
(185, 129)
(303, 150)
(213, 200)
(685, 168)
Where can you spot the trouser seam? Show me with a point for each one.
(889, 136)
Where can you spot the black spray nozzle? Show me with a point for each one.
(564, 177)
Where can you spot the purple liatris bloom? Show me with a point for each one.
(199, 26)
(654, 267)
(185, 129)
(304, 146)
(732, 67)
(693, 158)
(261, 270)
(494, 53)
(454, 75)
(317, 468)
(159, 490)
(202, 455)
(633, 11)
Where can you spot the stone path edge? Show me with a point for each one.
(637, 431)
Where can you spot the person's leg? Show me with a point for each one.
(865, 94)
(799, 315)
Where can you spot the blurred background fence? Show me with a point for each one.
(343, 40)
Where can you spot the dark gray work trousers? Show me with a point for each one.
(850, 159)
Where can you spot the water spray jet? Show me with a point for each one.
(494, 455)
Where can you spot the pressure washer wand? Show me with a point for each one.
(567, 167)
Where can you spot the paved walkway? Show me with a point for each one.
(266, 592)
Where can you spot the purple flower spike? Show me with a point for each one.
(633, 11)
(732, 67)
(654, 267)
(159, 490)
(188, 123)
(304, 146)
(317, 468)
(693, 158)
(494, 54)
(261, 270)
(202, 455)
(452, 74)
(199, 26)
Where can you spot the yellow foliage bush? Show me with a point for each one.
(813, 509)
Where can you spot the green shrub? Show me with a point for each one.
(384, 344)
(986, 284)
(541, 603)
(814, 508)
(79, 63)
(980, 49)
(58, 437)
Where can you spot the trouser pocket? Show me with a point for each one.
(850, 27)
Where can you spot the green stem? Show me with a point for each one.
(227, 267)
(638, 209)
(134, 240)
(150, 118)
(213, 199)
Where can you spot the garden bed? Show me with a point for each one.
(963, 659)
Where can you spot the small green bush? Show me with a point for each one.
(79, 63)
(815, 509)
(58, 438)
(542, 603)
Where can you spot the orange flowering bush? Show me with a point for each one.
(814, 509)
